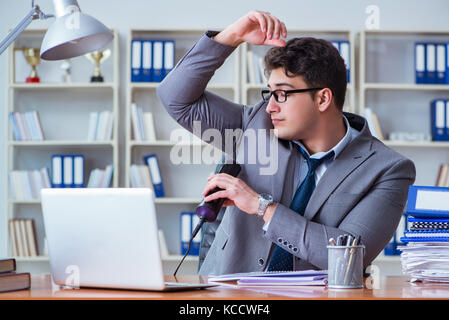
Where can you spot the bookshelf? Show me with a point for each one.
(251, 89)
(63, 109)
(183, 183)
(387, 86)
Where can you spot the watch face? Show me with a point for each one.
(266, 197)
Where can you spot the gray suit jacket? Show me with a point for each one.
(362, 192)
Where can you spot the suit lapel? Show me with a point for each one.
(351, 158)
(279, 184)
(332, 178)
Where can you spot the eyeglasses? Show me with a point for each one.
(281, 95)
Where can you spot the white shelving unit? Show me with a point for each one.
(64, 113)
(387, 86)
(251, 91)
(183, 184)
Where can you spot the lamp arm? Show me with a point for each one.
(34, 14)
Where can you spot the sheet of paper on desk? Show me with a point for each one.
(277, 274)
(284, 281)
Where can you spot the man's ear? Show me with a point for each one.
(323, 98)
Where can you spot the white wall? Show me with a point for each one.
(212, 14)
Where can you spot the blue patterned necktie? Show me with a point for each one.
(282, 260)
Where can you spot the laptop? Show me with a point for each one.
(105, 238)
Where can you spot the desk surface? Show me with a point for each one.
(389, 288)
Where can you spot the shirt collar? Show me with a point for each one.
(338, 148)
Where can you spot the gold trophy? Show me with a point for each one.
(98, 57)
(32, 56)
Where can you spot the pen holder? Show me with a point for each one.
(345, 266)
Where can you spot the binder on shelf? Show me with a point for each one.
(136, 61)
(158, 60)
(147, 60)
(186, 231)
(420, 63)
(56, 171)
(188, 222)
(345, 54)
(446, 129)
(68, 172)
(169, 57)
(195, 249)
(430, 63)
(447, 64)
(391, 248)
(438, 120)
(441, 63)
(156, 178)
(78, 171)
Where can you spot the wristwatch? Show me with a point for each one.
(264, 201)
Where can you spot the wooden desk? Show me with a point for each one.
(390, 288)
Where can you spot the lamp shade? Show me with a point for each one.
(73, 35)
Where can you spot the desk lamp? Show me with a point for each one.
(72, 34)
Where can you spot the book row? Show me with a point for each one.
(26, 185)
(148, 175)
(26, 126)
(443, 176)
(142, 124)
(151, 60)
(100, 126)
(23, 238)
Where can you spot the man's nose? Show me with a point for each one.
(272, 106)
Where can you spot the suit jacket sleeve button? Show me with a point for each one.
(280, 240)
(261, 262)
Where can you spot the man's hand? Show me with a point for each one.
(256, 27)
(237, 192)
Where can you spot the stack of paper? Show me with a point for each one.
(426, 255)
(282, 278)
(426, 261)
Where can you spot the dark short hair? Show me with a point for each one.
(316, 60)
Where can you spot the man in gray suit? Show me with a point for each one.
(333, 177)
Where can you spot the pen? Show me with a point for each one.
(332, 241)
(348, 244)
(340, 240)
(351, 258)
